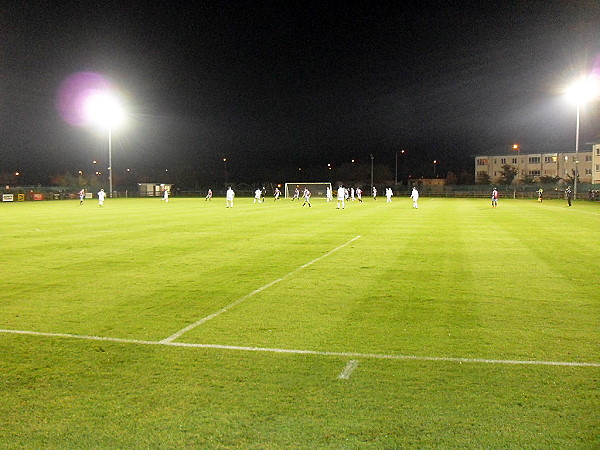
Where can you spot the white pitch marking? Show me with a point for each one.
(307, 352)
(345, 375)
(254, 292)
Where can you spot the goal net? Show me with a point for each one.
(317, 190)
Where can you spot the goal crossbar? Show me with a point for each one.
(317, 189)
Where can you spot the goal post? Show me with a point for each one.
(317, 190)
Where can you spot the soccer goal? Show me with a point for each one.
(317, 190)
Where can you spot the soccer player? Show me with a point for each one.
(359, 194)
(81, 196)
(374, 193)
(494, 198)
(352, 194)
(166, 195)
(388, 195)
(101, 197)
(277, 194)
(209, 196)
(341, 197)
(306, 195)
(257, 195)
(296, 194)
(329, 195)
(569, 195)
(229, 195)
(540, 193)
(415, 197)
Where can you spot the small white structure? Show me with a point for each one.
(153, 189)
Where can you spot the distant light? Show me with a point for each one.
(17, 173)
(94, 162)
(352, 160)
(224, 159)
(128, 170)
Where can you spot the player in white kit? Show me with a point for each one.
(101, 197)
(229, 196)
(415, 197)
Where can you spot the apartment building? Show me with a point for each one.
(537, 165)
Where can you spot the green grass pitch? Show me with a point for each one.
(456, 319)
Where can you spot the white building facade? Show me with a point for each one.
(538, 165)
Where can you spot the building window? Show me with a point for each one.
(588, 171)
(503, 161)
(534, 160)
(482, 162)
(549, 159)
(514, 160)
(597, 168)
(588, 157)
(598, 152)
(534, 172)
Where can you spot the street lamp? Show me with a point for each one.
(226, 177)
(396, 177)
(104, 108)
(434, 168)
(580, 92)
(372, 158)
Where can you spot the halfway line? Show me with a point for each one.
(256, 291)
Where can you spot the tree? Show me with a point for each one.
(451, 178)
(483, 178)
(547, 179)
(466, 177)
(528, 179)
(507, 174)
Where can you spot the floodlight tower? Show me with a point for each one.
(104, 108)
(580, 92)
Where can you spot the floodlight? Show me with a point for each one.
(103, 108)
(580, 92)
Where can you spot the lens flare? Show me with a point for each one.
(73, 95)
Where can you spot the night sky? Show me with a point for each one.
(275, 86)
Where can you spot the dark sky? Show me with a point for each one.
(277, 84)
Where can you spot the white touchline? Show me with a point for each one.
(305, 352)
(345, 375)
(256, 291)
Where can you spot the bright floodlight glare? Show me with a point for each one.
(104, 108)
(584, 89)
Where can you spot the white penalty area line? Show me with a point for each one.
(305, 352)
(345, 375)
(254, 292)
